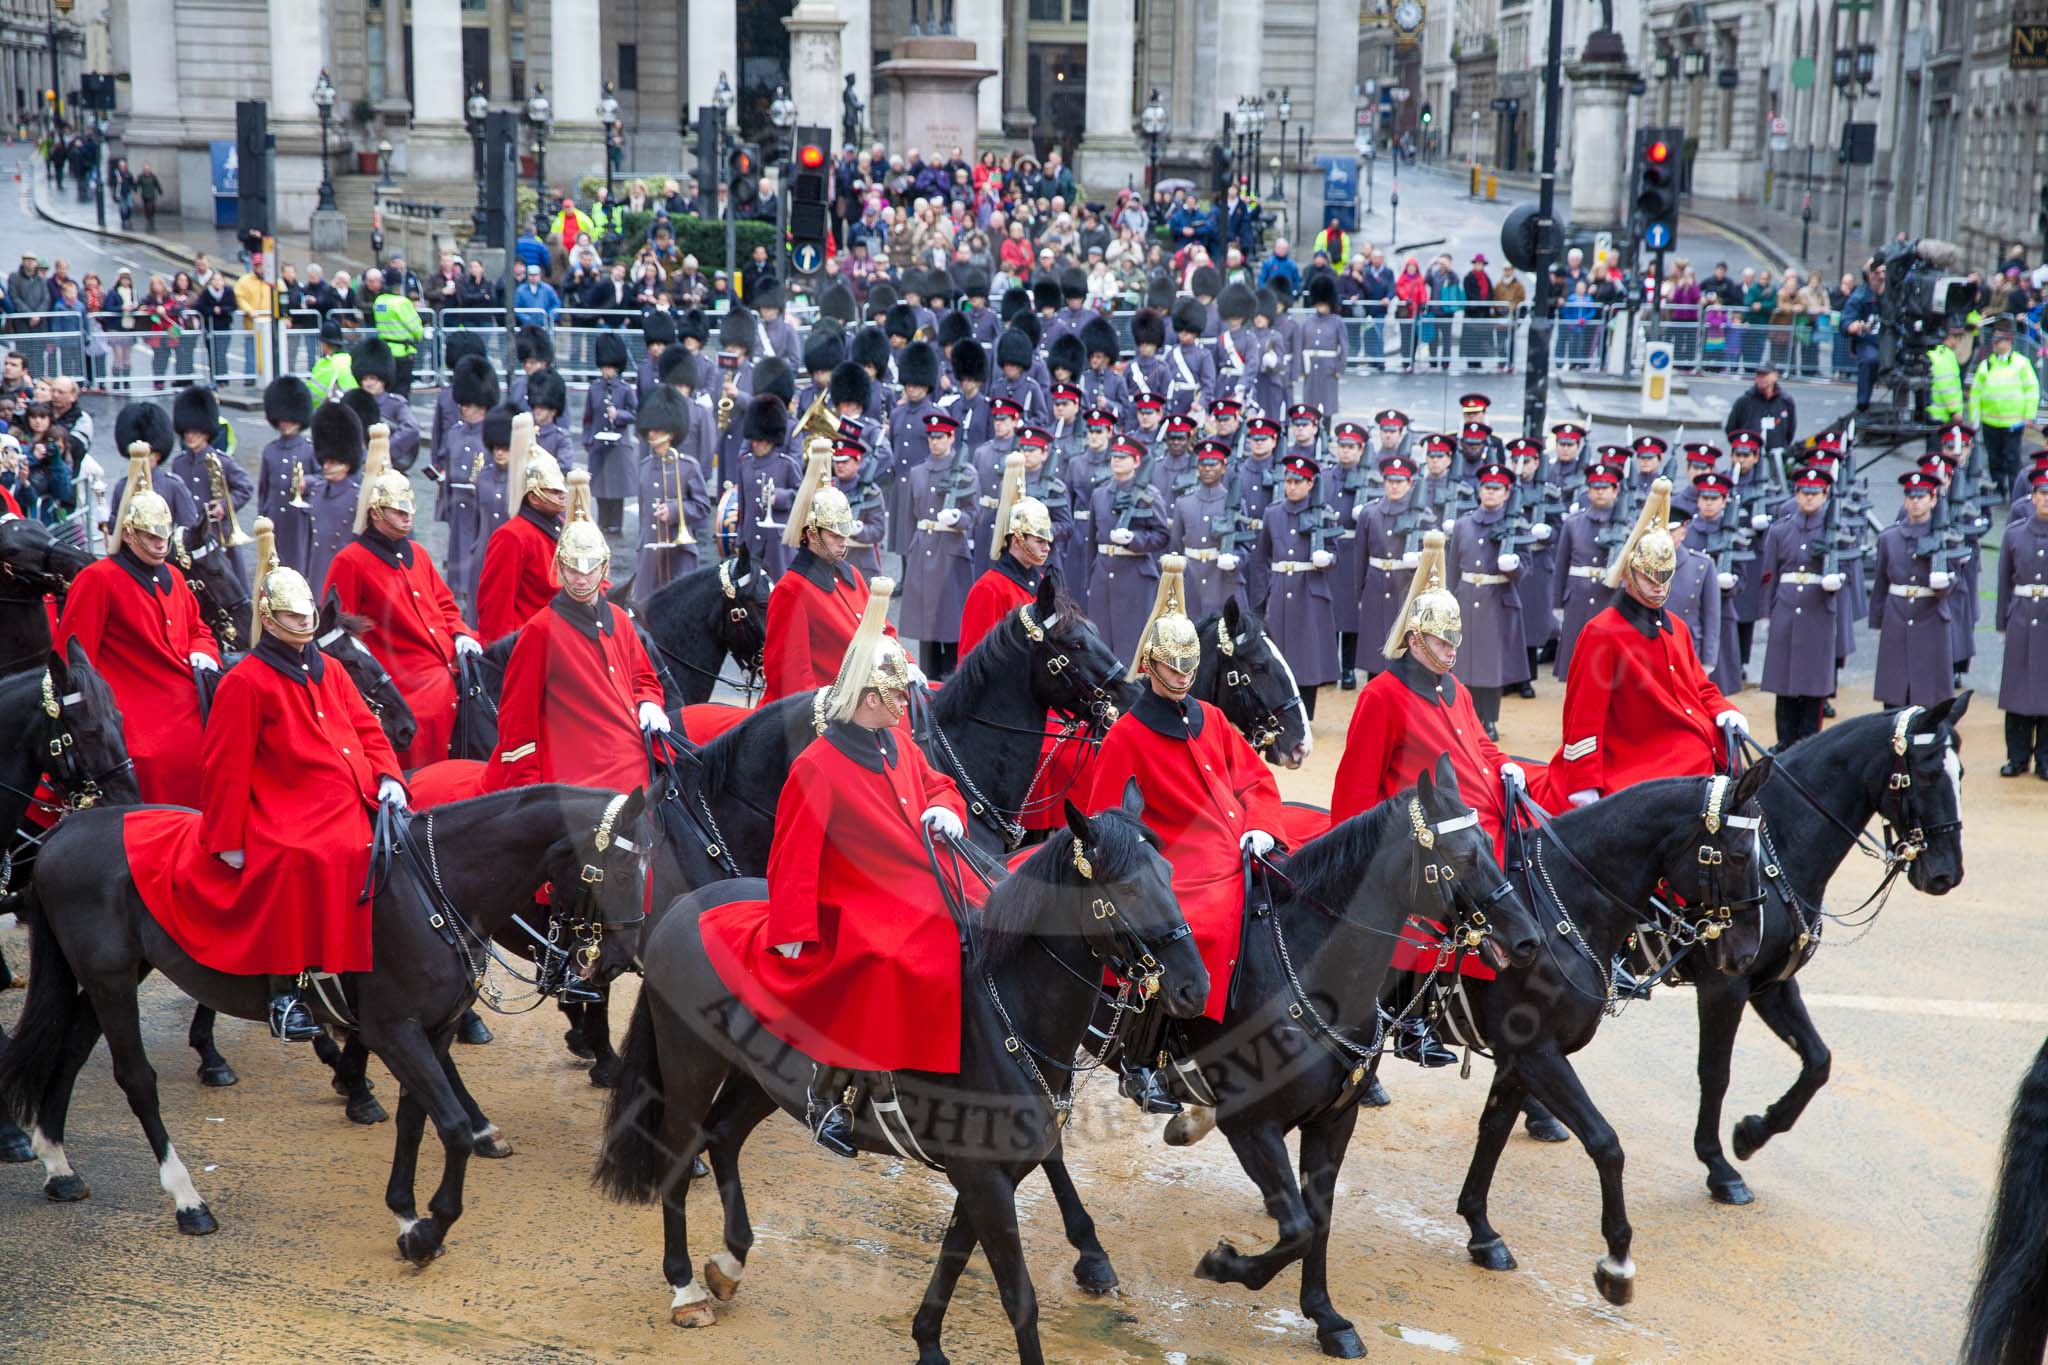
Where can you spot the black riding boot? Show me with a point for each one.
(1414, 1039)
(611, 515)
(830, 1111)
(1142, 1080)
(291, 1018)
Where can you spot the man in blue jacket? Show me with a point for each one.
(1860, 324)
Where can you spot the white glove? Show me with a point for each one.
(1411, 560)
(1322, 559)
(1227, 563)
(1450, 525)
(467, 644)
(1761, 521)
(1256, 842)
(1584, 798)
(392, 792)
(1357, 510)
(789, 949)
(948, 516)
(233, 858)
(1512, 774)
(1122, 535)
(1727, 582)
(1540, 531)
(652, 717)
(1830, 582)
(917, 677)
(1939, 580)
(939, 820)
(1732, 720)
(1508, 562)
(205, 662)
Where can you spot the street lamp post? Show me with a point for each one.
(1153, 121)
(474, 111)
(721, 99)
(1258, 113)
(1853, 70)
(1240, 134)
(384, 180)
(538, 116)
(323, 100)
(608, 115)
(782, 116)
(1284, 110)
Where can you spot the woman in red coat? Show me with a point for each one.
(517, 578)
(579, 689)
(416, 630)
(1208, 797)
(814, 608)
(1020, 546)
(853, 959)
(267, 881)
(139, 623)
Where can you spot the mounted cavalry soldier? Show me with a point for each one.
(293, 765)
(1210, 800)
(1020, 545)
(139, 623)
(516, 578)
(820, 600)
(1637, 704)
(854, 958)
(416, 630)
(579, 689)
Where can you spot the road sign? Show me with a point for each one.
(1400, 94)
(1657, 379)
(1603, 248)
(1780, 127)
(1372, 88)
(1365, 117)
(806, 259)
(1657, 237)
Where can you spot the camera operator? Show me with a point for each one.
(1860, 320)
(2005, 393)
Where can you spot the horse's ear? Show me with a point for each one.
(1077, 823)
(60, 667)
(636, 802)
(1959, 706)
(75, 660)
(1134, 799)
(329, 611)
(1425, 785)
(1751, 782)
(743, 560)
(1446, 772)
(1048, 597)
(1233, 616)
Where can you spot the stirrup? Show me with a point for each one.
(1629, 986)
(1416, 1043)
(1144, 1086)
(291, 1020)
(832, 1128)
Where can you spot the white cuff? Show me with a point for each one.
(789, 949)
(1585, 798)
(233, 858)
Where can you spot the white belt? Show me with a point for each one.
(1084, 514)
(1910, 590)
(929, 525)
(1587, 570)
(1800, 579)
(2036, 591)
(1388, 565)
(1205, 556)
(1483, 580)
(1291, 566)
(1123, 550)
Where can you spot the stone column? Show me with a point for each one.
(1018, 119)
(1110, 156)
(981, 22)
(1240, 44)
(152, 130)
(297, 40)
(500, 89)
(1599, 132)
(856, 59)
(1331, 115)
(438, 149)
(394, 107)
(575, 84)
(816, 33)
(713, 46)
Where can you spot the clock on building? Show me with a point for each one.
(1408, 16)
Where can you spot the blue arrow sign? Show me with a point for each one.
(1657, 236)
(1659, 359)
(806, 258)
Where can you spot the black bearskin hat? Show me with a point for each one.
(767, 420)
(919, 365)
(970, 360)
(1099, 338)
(1148, 327)
(196, 409)
(338, 436)
(373, 357)
(147, 423)
(773, 375)
(287, 399)
(545, 389)
(849, 384)
(870, 348)
(533, 343)
(474, 384)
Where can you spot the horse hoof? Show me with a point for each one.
(604, 1074)
(1547, 1130)
(698, 1170)
(1190, 1126)
(1343, 1343)
(721, 1285)
(1493, 1255)
(197, 1222)
(472, 1030)
(1095, 1275)
(65, 1189)
(1750, 1134)
(1375, 1095)
(366, 1111)
(421, 1242)
(217, 1077)
(491, 1145)
(694, 1315)
(1734, 1191)
(14, 1146)
(1217, 1265)
(1616, 1280)
(573, 1040)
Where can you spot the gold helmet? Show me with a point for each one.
(582, 546)
(873, 660)
(1430, 608)
(278, 589)
(540, 475)
(1169, 636)
(382, 485)
(142, 507)
(1649, 549)
(818, 505)
(1017, 513)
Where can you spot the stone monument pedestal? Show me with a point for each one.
(933, 85)
(1600, 151)
(815, 31)
(329, 228)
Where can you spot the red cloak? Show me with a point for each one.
(877, 986)
(569, 710)
(517, 579)
(140, 630)
(1204, 789)
(290, 777)
(994, 595)
(414, 624)
(812, 615)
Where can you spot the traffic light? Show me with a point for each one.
(710, 118)
(1428, 116)
(810, 195)
(742, 165)
(1656, 179)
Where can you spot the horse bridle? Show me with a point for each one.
(1102, 707)
(741, 613)
(225, 614)
(81, 791)
(1262, 724)
(1716, 910)
(377, 684)
(1115, 942)
(35, 582)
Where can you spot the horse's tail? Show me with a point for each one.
(2009, 1310)
(633, 1167)
(30, 1057)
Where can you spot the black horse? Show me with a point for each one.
(1680, 853)
(700, 1073)
(1299, 1051)
(2009, 1309)
(498, 653)
(1244, 675)
(1904, 766)
(33, 564)
(465, 867)
(699, 621)
(209, 568)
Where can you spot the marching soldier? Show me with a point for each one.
(657, 333)
(338, 451)
(455, 466)
(1323, 346)
(818, 603)
(1082, 474)
(608, 411)
(1441, 490)
(1130, 529)
(864, 548)
(1146, 374)
(416, 631)
(138, 622)
(1651, 454)
(1208, 532)
(1695, 597)
(1539, 557)
(375, 370)
(1909, 603)
(1568, 463)
(206, 470)
(1258, 468)
(1486, 572)
(2022, 616)
(1304, 432)
(938, 557)
(1710, 533)
(1749, 503)
(1269, 361)
(1297, 565)
(1389, 537)
(917, 369)
(516, 580)
(1347, 495)
(766, 479)
(1700, 458)
(1172, 464)
(284, 473)
(1015, 352)
(1801, 594)
(672, 497)
(1101, 385)
(547, 398)
(1020, 546)
(968, 403)
(1234, 373)
(532, 348)
(1190, 370)
(1044, 482)
(1065, 430)
(1226, 422)
(1578, 590)
(495, 502)
(1393, 436)
(991, 454)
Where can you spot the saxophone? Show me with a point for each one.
(724, 413)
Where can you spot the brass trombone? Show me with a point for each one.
(217, 481)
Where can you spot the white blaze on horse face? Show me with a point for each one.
(177, 1181)
(55, 1165)
(1308, 738)
(1953, 766)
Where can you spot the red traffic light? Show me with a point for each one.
(810, 156)
(1658, 152)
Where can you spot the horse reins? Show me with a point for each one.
(1262, 722)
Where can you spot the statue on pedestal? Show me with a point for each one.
(850, 112)
(941, 13)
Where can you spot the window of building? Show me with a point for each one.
(1059, 11)
(629, 66)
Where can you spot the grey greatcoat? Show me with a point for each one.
(782, 475)
(1696, 600)
(1050, 488)
(908, 449)
(1190, 377)
(2022, 614)
(489, 509)
(941, 563)
(1578, 589)
(557, 441)
(463, 456)
(1300, 606)
(1383, 586)
(405, 430)
(1911, 618)
(331, 525)
(1201, 529)
(1076, 560)
(1493, 653)
(1269, 367)
(193, 471)
(1322, 353)
(1724, 663)
(1125, 578)
(1539, 567)
(872, 511)
(1800, 658)
(608, 411)
(674, 484)
(288, 464)
(1349, 491)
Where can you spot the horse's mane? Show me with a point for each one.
(1837, 739)
(355, 625)
(1011, 916)
(498, 652)
(1328, 868)
(718, 760)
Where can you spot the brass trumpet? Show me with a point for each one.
(217, 481)
(298, 482)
